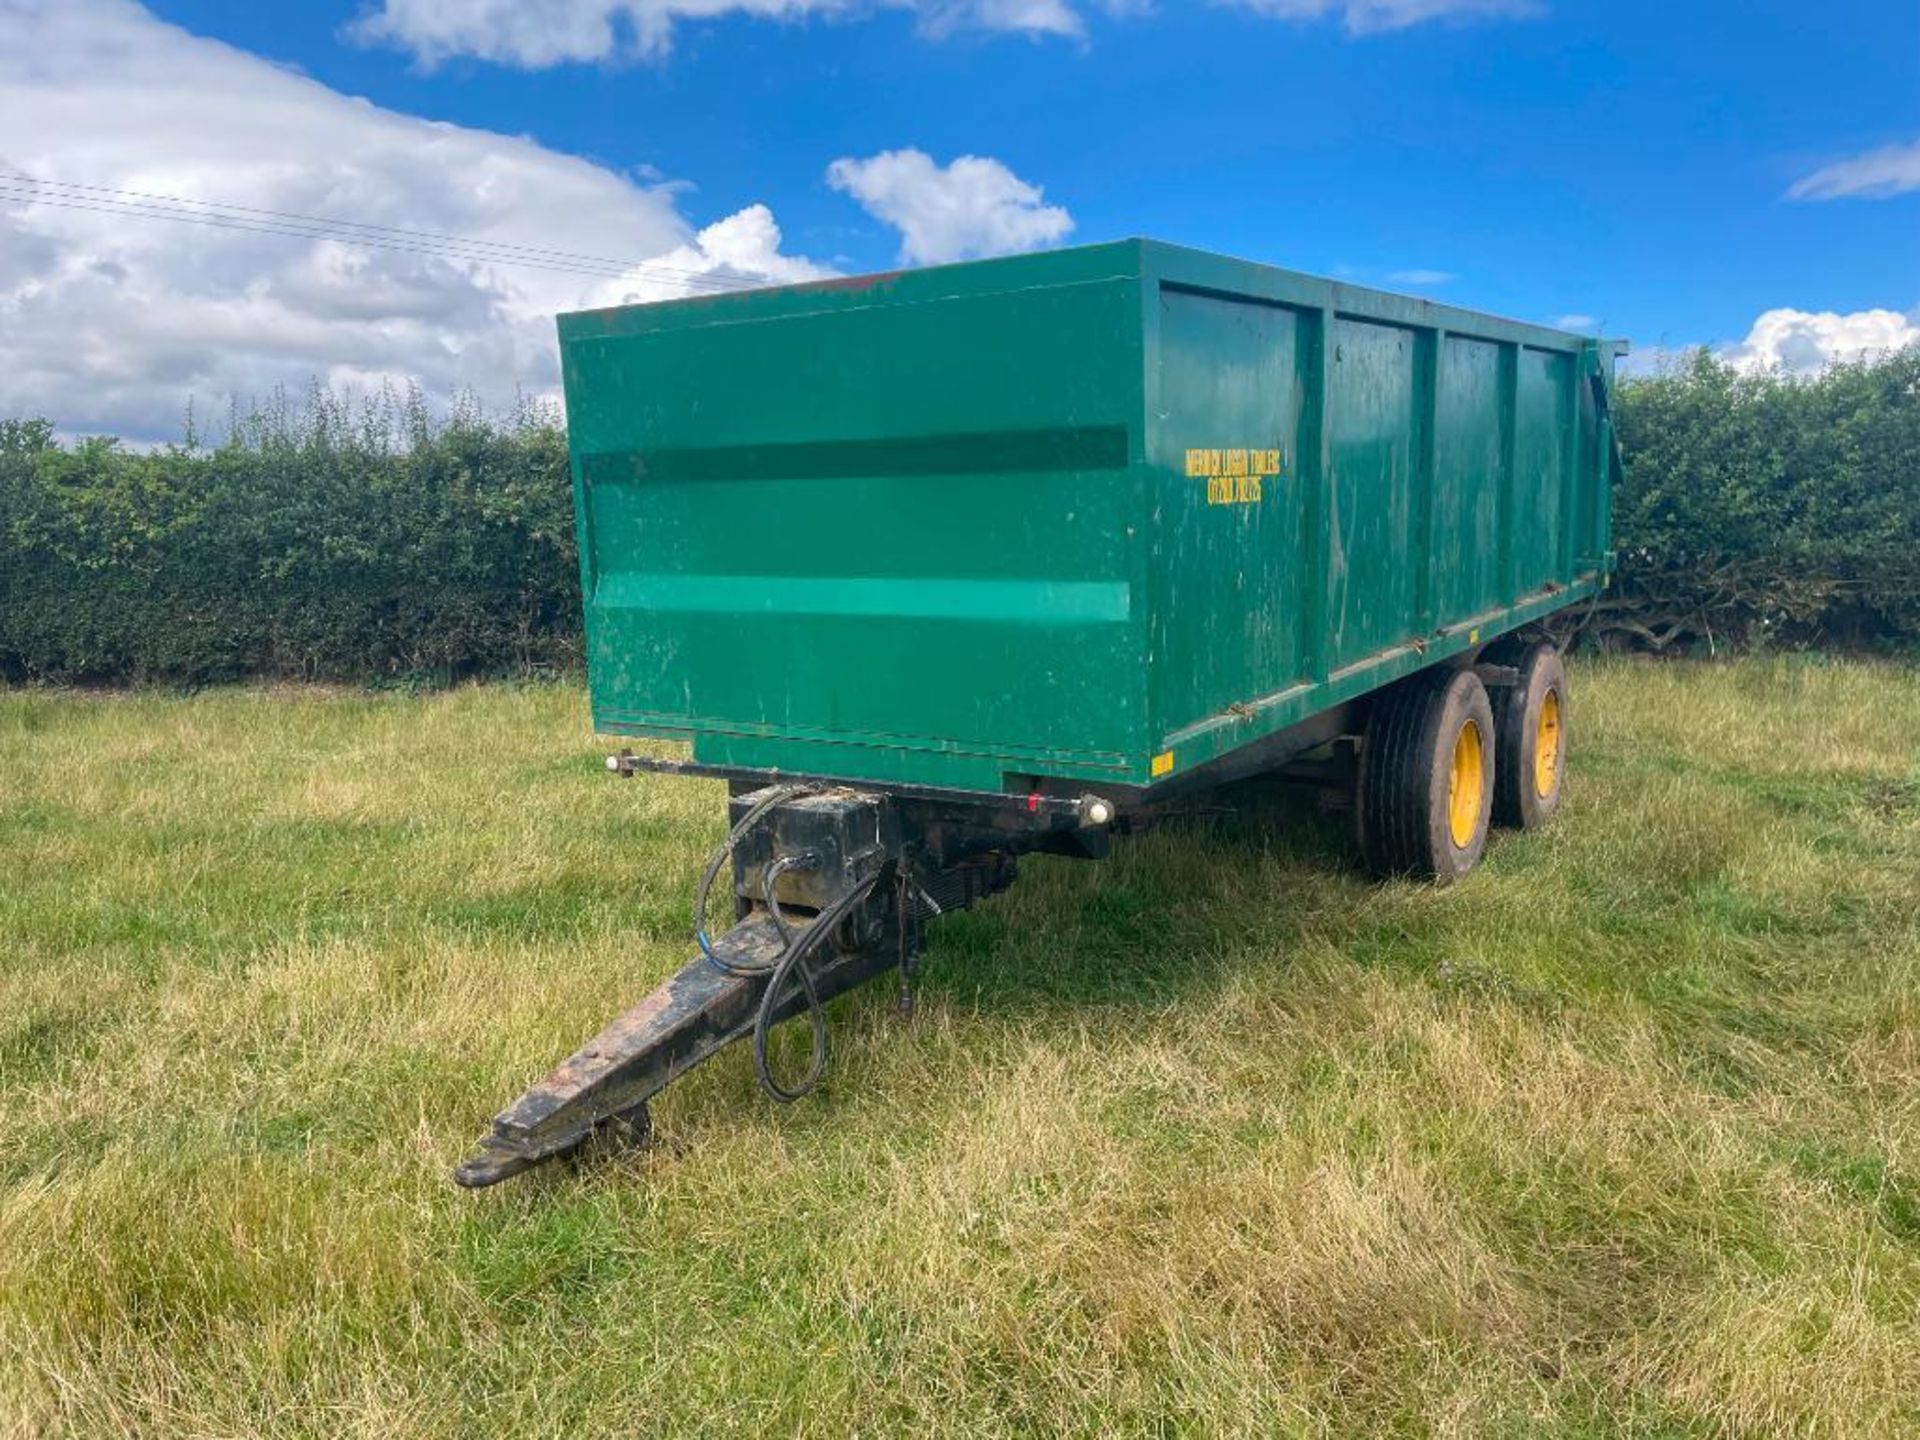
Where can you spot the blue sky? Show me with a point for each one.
(1631, 162)
(1627, 161)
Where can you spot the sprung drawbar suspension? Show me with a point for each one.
(798, 944)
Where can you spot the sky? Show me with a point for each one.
(1744, 176)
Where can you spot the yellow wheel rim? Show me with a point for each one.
(1546, 746)
(1466, 784)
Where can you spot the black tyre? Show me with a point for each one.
(1530, 738)
(1427, 773)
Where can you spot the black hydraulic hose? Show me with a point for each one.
(793, 957)
(793, 960)
(804, 860)
(722, 856)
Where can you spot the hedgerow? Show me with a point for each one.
(1762, 508)
(328, 540)
(320, 541)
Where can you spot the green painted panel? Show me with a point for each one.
(1541, 455)
(866, 374)
(1098, 514)
(1225, 565)
(1591, 470)
(1370, 581)
(799, 527)
(1469, 471)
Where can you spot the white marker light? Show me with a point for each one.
(1097, 811)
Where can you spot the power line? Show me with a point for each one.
(230, 223)
(689, 280)
(105, 200)
(223, 222)
(596, 261)
(132, 204)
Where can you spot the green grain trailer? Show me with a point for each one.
(942, 567)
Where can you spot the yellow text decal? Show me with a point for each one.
(1233, 476)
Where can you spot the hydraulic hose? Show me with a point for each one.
(799, 947)
(793, 961)
(723, 856)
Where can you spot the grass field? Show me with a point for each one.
(1622, 1135)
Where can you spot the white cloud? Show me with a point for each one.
(1575, 322)
(1421, 277)
(1877, 175)
(1803, 342)
(972, 207)
(1797, 342)
(536, 34)
(1371, 17)
(112, 323)
(1025, 17)
(744, 247)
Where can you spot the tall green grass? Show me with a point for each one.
(1620, 1135)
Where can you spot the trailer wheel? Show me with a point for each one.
(1530, 739)
(1427, 773)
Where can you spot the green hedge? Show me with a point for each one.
(321, 542)
(325, 541)
(1767, 509)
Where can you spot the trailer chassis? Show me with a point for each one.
(834, 883)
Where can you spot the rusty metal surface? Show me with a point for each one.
(1042, 807)
(686, 1019)
(879, 869)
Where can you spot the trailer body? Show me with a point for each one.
(1090, 518)
(944, 569)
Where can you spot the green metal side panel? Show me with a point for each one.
(881, 532)
(1544, 453)
(1370, 578)
(1223, 578)
(1469, 477)
(1097, 515)
(1440, 480)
